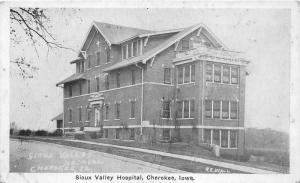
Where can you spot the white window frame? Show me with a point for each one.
(183, 74)
(221, 81)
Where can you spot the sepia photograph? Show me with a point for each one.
(162, 92)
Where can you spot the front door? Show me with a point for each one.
(97, 117)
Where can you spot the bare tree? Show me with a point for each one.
(36, 25)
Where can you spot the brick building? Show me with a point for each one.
(135, 84)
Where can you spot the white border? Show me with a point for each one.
(294, 90)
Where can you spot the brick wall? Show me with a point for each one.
(154, 91)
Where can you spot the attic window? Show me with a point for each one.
(185, 44)
(132, 49)
(124, 52)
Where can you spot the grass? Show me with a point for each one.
(175, 148)
(179, 164)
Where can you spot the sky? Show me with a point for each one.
(263, 35)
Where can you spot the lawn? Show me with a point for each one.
(176, 148)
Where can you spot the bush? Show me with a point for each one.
(93, 135)
(79, 136)
(81, 128)
(56, 133)
(244, 158)
(41, 133)
(25, 132)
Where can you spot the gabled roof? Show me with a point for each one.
(58, 117)
(73, 77)
(117, 33)
(161, 32)
(164, 45)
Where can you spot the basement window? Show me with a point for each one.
(224, 138)
(166, 134)
(233, 138)
(207, 136)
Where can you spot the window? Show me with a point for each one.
(88, 86)
(226, 74)
(117, 114)
(118, 79)
(132, 134)
(105, 133)
(224, 138)
(97, 84)
(89, 61)
(167, 75)
(222, 73)
(118, 133)
(186, 109)
(79, 114)
(78, 67)
(216, 107)
(207, 136)
(225, 110)
(187, 73)
(134, 48)
(129, 50)
(233, 110)
(217, 73)
(216, 137)
(192, 108)
(180, 75)
(107, 82)
(70, 115)
(88, 114)
(124, 52)
(233, 138)
(166, 109)
(208, 108)
(82, 66)
(234, 75)
(107, 55)
(132, 109)
(106, 111)
(132, 77)
(80, 87)
(185, 44)
(98, 58)
(166, 134)
(140, 45)
(70, 90)
(209, 72)
(193, 72)
(179, 109)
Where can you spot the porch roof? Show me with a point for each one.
(74, 77)
(58, 117)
